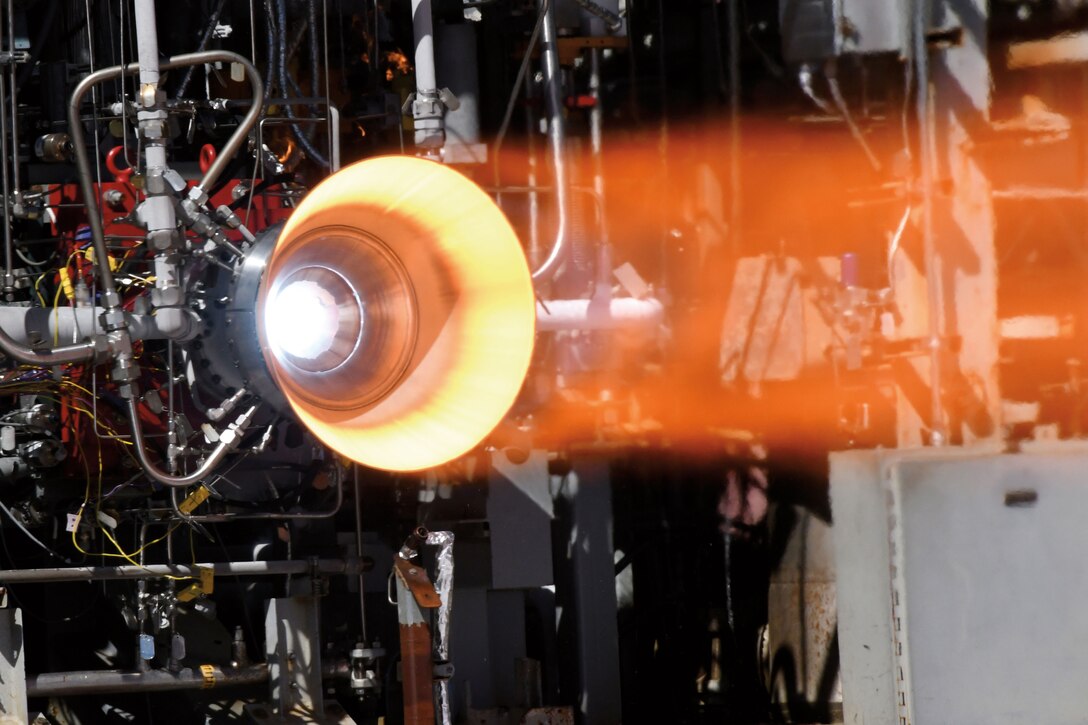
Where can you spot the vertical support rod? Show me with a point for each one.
(5, 189)
(359, 553)
(142, 664)
(427, 107)
(147, 43)
(586, 592)
(532, 176)
(928, 158)
(596, 123)
(557, 135)
(14, 102)
(734, 127)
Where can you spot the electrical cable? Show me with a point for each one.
(830, 72)
(32, 611)
(518, 81)
(36, 46)
(281, 67)
(41, 545)
(213, 21)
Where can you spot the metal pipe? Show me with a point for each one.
(14, 102)
(611, 19)
(5, 189)
(359, 553)
(102, 682)
(143, 662)
(553, 80)
(25, 325)
(147, 45)
(47, 357)
(427, 108)
(75, 130)
(234, 143)
(109, 682)
(928, 152)
(734, 128)
(423, 32)
(599, 313)
(603, 285)
(152, 571)
(228, 441)
(531, 178)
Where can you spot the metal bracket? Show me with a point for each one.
(8, 57)
(292, 648)
(415, 579)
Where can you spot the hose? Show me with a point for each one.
(39, 41)
(212, 22)
(307, 146)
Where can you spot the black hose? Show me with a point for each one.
(39, 41)
(511, 103)
(307, 146)
(315, 64)
(271, 68)
(258, 189)
(212, 22)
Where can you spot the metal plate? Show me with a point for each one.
(986, 615)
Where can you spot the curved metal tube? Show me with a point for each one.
(17, 349)
(234, 143)
(557, 139)
(46, 357)
(86, 182)
(214, 458)
(927, 148)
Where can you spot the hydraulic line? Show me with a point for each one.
(557, 138)
(300, 136)
(86, 179)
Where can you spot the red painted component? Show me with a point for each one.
(119, 174)
(68, 221)
(581, 101)
(266, 209)
(207, 157)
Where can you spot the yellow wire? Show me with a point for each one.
(41, 387)
(86, 498)
(105, 530)
(37, 288)
(130, 557)
(56, 307)
(105, 426)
